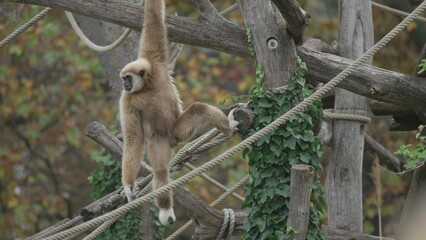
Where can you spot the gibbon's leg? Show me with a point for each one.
(199, 113)
(133, 149)
(160, 152)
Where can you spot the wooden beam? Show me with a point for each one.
(297, 19)
(220, 34)
(386, 158)
(376, 83)
(372, 82)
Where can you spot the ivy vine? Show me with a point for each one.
(413, 158)
(267, 197)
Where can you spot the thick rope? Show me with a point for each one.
(347, 117)
(24, 27)
(60, 228)
(395, 11)
(250, 140)
(91, 44)
(122, 37)
(187, 149)
(222, 197)
(228, 222)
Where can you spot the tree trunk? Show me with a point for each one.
(344, 179)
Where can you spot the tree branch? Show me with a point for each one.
(200, 33)
(386, 158)
(207, 9)
(372, 82)
(297, 19)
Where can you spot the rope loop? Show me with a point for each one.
(228, 223)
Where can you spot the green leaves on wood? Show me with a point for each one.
(271, 158)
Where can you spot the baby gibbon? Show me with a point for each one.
(150, 110)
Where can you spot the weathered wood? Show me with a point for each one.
(274, 47)
(386, 158)
(98, 133)
(318, 45)
(372, 82)
(180, 29)
(300, 198)
(344, 179)
(406, 126)
(207, 219)
(382, 109)
(297, 19)
(338, 234)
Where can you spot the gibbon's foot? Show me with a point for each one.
(166, 216)
(128, 193)
(233, 124)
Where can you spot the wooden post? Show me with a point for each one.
(275, 49)
(344, 179)
(300, 198)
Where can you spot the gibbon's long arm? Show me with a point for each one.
(154, 44)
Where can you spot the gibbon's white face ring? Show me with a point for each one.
(132, 82)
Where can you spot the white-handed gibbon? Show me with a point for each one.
(151, 111)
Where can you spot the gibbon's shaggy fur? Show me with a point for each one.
(150, 110)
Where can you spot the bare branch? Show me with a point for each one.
(297, 19)
(220, 34)
(207, 9)
(386, 158)
(207, 219)
(372, 82)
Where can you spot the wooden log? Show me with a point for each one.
(274, 47)
(406, 126)
(339, 234)
(208, 220)
(297, 19)
(98, 133)
(386, 158)
(195, 32)
(372, 82)
(382, 109)
(318, 45)
(344, 178)
(300, 198)
(386, 86)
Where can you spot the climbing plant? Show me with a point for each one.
(267, 197)
(416, 157)
(422, 66)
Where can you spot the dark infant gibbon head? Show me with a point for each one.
(135, 75)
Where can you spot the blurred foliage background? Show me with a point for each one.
(52, 86)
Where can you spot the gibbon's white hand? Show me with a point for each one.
(128, 193)
(233, 124)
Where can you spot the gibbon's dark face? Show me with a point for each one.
(135, 75)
